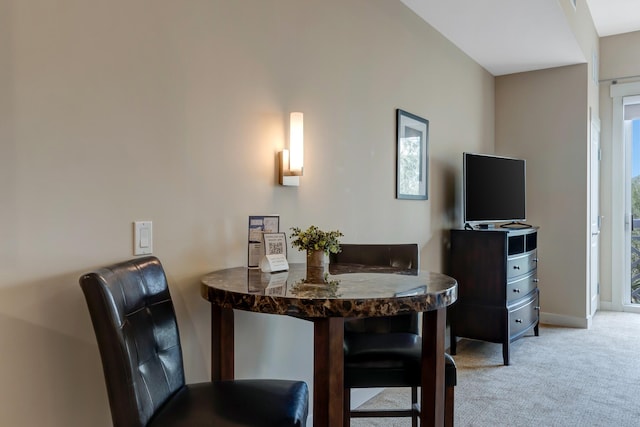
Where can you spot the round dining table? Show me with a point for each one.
(352, 291)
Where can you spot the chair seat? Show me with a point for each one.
(387, 360)
(385, 351)
(263, 403)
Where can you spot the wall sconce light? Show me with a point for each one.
(291, 160)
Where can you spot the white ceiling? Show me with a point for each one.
(511, 36)
(615, 16)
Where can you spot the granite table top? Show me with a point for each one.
(349, 293)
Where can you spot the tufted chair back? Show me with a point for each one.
(137, 333)
(385, 351)
(400, 257)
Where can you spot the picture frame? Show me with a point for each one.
(412, 156)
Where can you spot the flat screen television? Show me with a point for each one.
(494, 189)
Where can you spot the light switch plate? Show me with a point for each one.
(142, 238)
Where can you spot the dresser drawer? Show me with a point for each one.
(521, 264)
(524, 316)
(522, 286)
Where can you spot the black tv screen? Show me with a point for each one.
(494, 188)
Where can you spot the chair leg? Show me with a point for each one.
(414, 402)
(448, 406)
(346, 415)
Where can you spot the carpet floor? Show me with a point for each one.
(564, 377)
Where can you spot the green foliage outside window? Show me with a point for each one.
(635, 241)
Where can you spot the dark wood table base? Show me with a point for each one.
(328, 361)
(328, 371)
(432, 393)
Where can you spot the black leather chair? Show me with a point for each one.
(386, 351)
(137, 333)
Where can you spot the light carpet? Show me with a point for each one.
(564, 377)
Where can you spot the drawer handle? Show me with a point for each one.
(537, 307)
(516, 290)
(518, 320)
(516, 267)
(535, 260)
(536, 280)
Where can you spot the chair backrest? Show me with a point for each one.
(399, 257)
(137, 333)
(403, 256)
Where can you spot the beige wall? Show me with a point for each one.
(619, 57)
(544, 117)
(173, 112)
(618, 61)
(541, 116)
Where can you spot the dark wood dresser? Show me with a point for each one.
(498, 297)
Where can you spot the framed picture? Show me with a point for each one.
(275, 243)
(412, 158)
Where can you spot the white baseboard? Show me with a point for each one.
(361, 395)
(606, 306)
(564, 320)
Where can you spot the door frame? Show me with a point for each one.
(593, 293)
(621, 203)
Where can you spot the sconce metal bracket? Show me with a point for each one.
(287, 178)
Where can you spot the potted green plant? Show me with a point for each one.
(316, 243)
